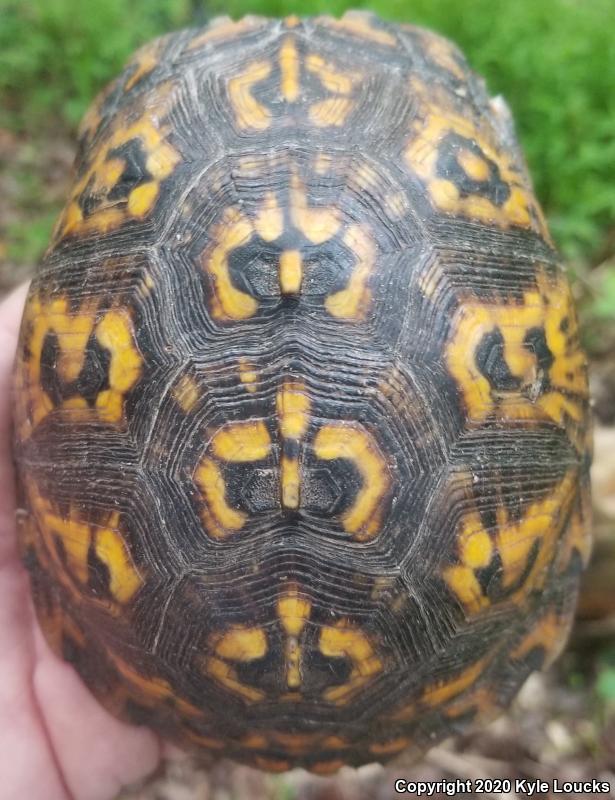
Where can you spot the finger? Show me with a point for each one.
(27, 766)
(98, 755)
(10, 315)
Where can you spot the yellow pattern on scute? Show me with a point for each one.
(67, 538)
(254, 115)
(143, 62)
(249, 113)
(437, 119)
(345, 640)
(228, 302)
(548, 634)
(293, 408)
(514, 541)
(355, 443)
(236, 442)
(104, 170)
(360, 25)
(239, 644)
(72, 332)
(223, 29)
(444, 690)
(218, 516)
(73, 329)
(115, 333)
(352, 302)
(294, 612)
(289, 68)
(547, 307)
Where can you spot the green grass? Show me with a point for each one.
(553, 60)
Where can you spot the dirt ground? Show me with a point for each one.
(560, 727)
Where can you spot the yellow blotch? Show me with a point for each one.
(474, 166)
(549, 634)
(224, 29)
(389, 748)
(290, 479)
(73, 533)
(429, 130)
(323, 163)
(293, 407)
(356, 444)
(344, 640)
(475, 551)
(124, 580)
(567, 389)
(316, 224)
(334, 743)
(242, 441)
(186, 393)
(233, 232)
(115, 334)
(541, 523)
(359, 24)
(219, 517)
(293, 612)
(442, 53)
(291, 272)
(482, 701)
(241, 644)
(405, 713)
(247, 374)
(289, 67)
(144, 61)
(445, 690)
(141, 200)
(295, 743)
(254, 741)
(352, 302)
(332, 79)
(396, 205)
(463, 582)
(269, 222)
(249, 113)
(152, 690)
(331, 112)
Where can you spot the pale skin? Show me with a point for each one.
(56, 741)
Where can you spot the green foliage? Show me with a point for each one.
(56, 54)
(553, 60)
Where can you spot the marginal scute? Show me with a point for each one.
(525, 548)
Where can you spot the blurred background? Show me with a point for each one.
(554, 61)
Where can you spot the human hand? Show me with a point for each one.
(56, 741)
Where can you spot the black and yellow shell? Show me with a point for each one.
(302, 424)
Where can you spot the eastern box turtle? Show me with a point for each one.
(302, 421)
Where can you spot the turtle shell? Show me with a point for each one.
(302, 427)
